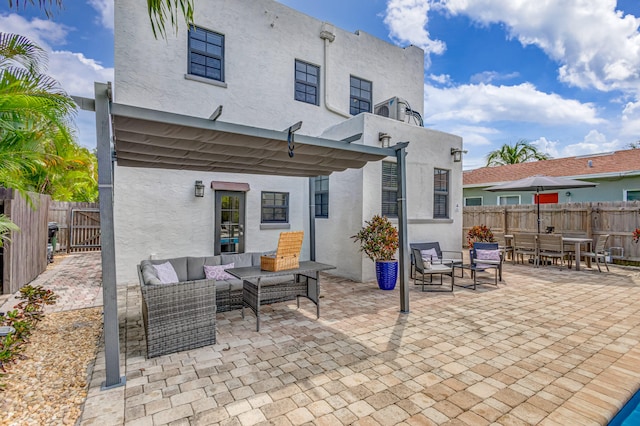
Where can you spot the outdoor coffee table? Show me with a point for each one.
(436, 269)
(306, 283)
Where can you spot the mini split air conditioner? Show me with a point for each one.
(394, 108)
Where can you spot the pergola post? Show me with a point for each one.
(312, 218)
(401, 157)
(107, 240)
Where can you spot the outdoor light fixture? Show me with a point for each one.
(199, 189)
(457, 154)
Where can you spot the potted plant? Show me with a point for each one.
(379, 241)
(636, 235)
(479, 233)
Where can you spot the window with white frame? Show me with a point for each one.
(360, 96)
(632, 195)
(274, 207)
(389, 189)
(322, 196)
(307, 84)
(472, 201)
(206, 53)
(440, 194)
(508, 200)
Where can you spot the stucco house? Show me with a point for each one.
(616, 173)
(265, 65)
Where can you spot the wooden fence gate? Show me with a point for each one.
(79, 225)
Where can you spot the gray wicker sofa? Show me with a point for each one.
(181, 316)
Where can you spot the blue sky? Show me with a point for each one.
(564, 75)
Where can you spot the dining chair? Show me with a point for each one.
(526, 245)
(506, 246)
(599, 253)
(550, 246)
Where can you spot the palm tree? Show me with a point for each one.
(159, 12)
(35, 113)
(521, 152)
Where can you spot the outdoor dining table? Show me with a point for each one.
(306, 283)
(578, 241)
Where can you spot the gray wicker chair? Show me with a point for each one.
(178, 317)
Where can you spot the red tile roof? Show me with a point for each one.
(576, 167)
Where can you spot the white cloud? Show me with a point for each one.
(486, 103)
(105, 9)
(490, 76)
(595, 44)
(41, 32)
(594, 142)
(407, 21)
(631, 121)
(77, 73)
(442, 79)
(546, 146)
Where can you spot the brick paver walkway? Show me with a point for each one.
(548, 346)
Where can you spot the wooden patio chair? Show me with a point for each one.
(526, 245)
(550, 246)
(599, 253)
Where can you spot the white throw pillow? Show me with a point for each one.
(166, 273)
(487, 254)
(430, 254)
(218, 272)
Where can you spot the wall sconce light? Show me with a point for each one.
(199, 189)
(568, 193)
(457, 154)
(385, 138)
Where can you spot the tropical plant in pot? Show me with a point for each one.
(379, 241)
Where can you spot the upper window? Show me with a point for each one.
(360, 100)
(275, 207)
(632, 195)
(322, 196)
(507, 200)
(206, 53)
(472, 201)
(389, 189)
(307, 83)
(441, 193)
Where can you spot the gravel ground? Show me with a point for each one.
(50, 385)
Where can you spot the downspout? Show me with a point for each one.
(327, 34)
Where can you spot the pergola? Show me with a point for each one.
(155, 139)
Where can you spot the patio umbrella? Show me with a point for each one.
(539, 184)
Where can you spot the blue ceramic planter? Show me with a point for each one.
(387, 274)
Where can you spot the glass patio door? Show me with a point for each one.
(229, 222)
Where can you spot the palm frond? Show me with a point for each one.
(161, 10)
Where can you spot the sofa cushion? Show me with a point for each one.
(149, 273)
(234, 284)
(238, 259)
(217, 272)
(195, 270)
(179, 265)
(166, 273)
(429, 254)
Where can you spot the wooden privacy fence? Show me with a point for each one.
(79, 225)
(618, 219)
(24, 257)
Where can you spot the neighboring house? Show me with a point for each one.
(616, 173)
(270, 67)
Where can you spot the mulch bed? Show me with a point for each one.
(50, 384)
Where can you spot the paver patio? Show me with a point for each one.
(548, 346)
